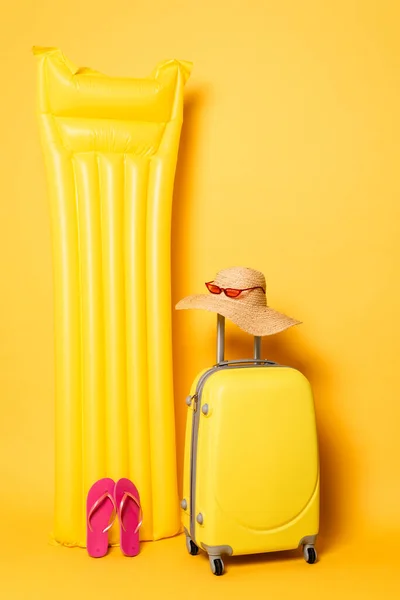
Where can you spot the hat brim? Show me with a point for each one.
(260, 321)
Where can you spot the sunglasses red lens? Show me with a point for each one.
(214, 289)
(231, 293)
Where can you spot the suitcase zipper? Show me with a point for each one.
(193, 457)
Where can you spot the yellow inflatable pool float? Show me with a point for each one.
(110, 147)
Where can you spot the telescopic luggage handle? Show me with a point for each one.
(221, 344)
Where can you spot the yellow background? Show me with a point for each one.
(288, 163)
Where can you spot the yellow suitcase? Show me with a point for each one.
(251, 470)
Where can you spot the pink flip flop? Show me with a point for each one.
(130, 516)
(101, 512)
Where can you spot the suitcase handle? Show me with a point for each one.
(246, 361)
(221, 345)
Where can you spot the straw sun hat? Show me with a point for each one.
(239, 294)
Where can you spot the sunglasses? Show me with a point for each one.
(230, 292)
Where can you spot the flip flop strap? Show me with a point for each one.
(121, 507)
(96, 505)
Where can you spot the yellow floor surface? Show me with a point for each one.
(32, 569)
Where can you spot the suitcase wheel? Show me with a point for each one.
(217, 566)
(310, 554)
(191, 546)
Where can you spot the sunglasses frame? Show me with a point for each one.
(225, 290)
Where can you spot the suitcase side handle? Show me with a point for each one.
(221, 344)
